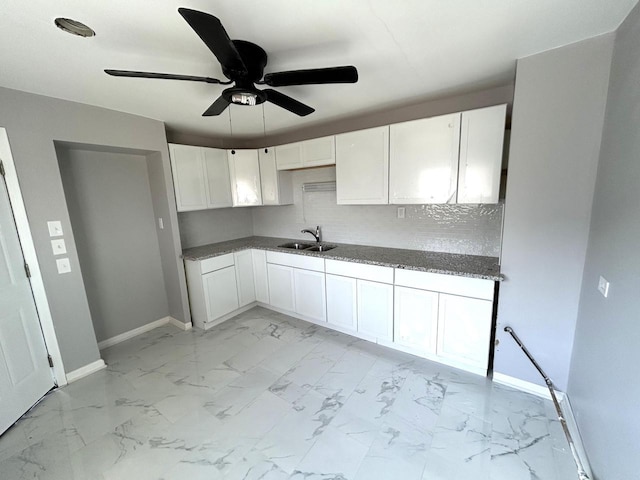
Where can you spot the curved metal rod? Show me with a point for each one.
(582, 473)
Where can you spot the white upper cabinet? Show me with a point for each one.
(277, 186)
(362, 167)
(423, 157)
(216, 168)
(244, 171)
(319, 151)
(309, 153)
(481, 146)
(188, 177)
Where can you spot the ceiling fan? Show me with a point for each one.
(243, 64)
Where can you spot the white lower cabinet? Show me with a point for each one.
(260, 278)
(245, 277)
(464, 330)
(342, 307)
(220, 292)
(281, 290)
(416, 319)
(375, 309)
(310, 300)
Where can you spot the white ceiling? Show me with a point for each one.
(405, 51)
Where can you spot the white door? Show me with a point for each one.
(481, 145)
(244, 171)
(375, 309)
(281, 293)
(319, 151)
(220, 292)
(423, 160)
(416, 319)
(289, 156)
(277, 187)
(244, 277)
(25, 375)
(464, 330)
(341, 302)
(362, 167)
(310, 294)
(216, 167)
(188, 177)
(261, 282)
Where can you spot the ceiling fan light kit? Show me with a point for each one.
(243, 64)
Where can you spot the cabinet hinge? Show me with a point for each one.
(50, 360)
(27, 270)
(2, 169)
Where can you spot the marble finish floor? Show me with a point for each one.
(266, 396)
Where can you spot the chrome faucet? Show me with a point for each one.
(316, 234)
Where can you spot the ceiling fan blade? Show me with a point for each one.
(314, 76)
(165, 76)
(213, 34)
(217, 107)
(288, 103)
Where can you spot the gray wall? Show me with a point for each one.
(558, 112)
(109, 201)
(216, 225)
(33, 123)
(468, 229)
(604, 384)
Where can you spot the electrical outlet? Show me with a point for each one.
(160, 223)
(400, 212)
(603, 286)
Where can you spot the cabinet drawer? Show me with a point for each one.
(216, 263)
(374, 273)
(297, 261)
(464, 286)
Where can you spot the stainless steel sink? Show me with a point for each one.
(296, 246)
(321, 248)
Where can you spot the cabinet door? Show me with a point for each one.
(244, 277)
(423, 160)
(289, 156)
(362, 167)
(188, 177)
(218, 185)
(481, 144)
(244, 171)
(375, 309)
(310, 294)
(319, 151)
(415, 319)
(464, 329)
(281, 293)
(220, 292)
(342, 302)
(261, 282)
(277, 188)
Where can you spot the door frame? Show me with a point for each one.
(29, 252)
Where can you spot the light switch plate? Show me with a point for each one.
(58, 246)
(55, 228)
(63, 265)
(603, 286)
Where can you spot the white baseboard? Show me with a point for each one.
(181, 325)
(110, 342)
(525, 386)
(86, 370)
(572, 425)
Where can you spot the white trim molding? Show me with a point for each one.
(181, 325)
(524, 386)
(110, 342)
(86, 370)
(29, 252)
(572, 425)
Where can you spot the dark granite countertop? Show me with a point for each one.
(474, 266)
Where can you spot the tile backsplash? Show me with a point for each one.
(467, 229)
